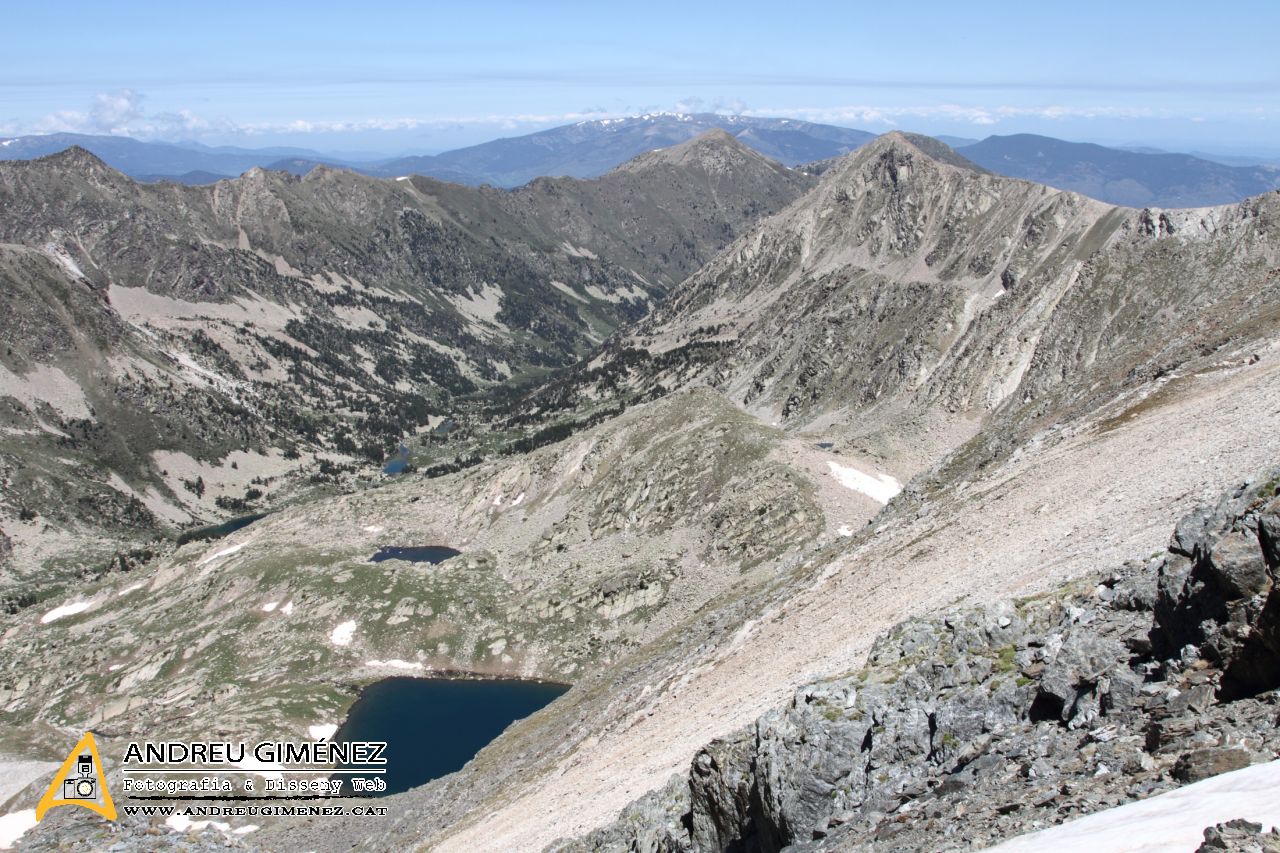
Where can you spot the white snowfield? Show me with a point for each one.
(1172, 821)
(14, 825)
(394, 664)
(225, 552)
(342, 634)
(65, 610)
(881, 488)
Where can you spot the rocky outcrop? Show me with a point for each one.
(1218, 598)
(968, 729)
(1239, 836)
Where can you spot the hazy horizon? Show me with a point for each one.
(400, 78)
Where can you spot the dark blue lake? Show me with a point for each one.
(396, 464)
(420, 554)
(433, 726)
(218, 531)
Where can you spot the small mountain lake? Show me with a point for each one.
(433, 726)
(218, 531)
(421, 554)
(397, 463)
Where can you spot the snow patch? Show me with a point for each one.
(403, 178)
(845, 530)
(131, 587)
(1175, 820)
(519, 499)
(269, 606)
(374, 528)
(323, 731)
(14, 825)
(225, 552)
(880, 488)
(287, 610)
(394, 664)
(342, 634)
(65, 610)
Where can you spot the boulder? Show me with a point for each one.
(1200, 764)
(1216, 590)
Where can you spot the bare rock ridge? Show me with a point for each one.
(926, 295)
(968, 729)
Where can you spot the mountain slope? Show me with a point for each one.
(906, 299)
(1120, 177)
(1007, 343)
(338, 313)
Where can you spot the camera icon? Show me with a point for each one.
(85, 787)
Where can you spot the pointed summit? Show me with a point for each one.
(902, 144)
(714, 151)
(74, 157)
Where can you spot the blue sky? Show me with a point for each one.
(396, 77)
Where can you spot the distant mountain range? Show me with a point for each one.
(591, 148)
(584, 150)
(153, 160)
(1137, 177)
(1129, 178)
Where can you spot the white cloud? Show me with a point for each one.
(113, 111)
(987, 115)
(121, 113)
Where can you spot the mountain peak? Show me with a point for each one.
(916, 143)
(74, 156)
(716, 150)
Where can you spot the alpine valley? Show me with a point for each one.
(880, 503)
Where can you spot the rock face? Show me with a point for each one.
(1217, 590)
(968, 729)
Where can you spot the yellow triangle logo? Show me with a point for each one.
(80, 782)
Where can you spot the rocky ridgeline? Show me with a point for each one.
(968, 729)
